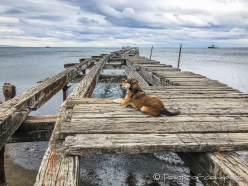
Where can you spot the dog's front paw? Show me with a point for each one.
(116, 100)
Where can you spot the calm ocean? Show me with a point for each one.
(23, 67)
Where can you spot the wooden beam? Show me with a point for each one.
(66, 167)
(15, 111)
(34, 128)
(88, 144)
(112, 78)
(68, 65)
(86, 86)
(103, 78)
(217, 168)
(114, 66)
(134, 74)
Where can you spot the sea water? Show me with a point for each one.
(23, 67)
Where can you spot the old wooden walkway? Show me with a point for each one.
(212, 125)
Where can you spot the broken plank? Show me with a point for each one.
(88, 144)
(139, 126)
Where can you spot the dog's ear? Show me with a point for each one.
(133, 81)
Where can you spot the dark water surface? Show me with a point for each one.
(23, 67)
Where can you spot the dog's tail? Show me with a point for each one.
(168, 113)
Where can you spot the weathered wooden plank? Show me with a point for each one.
(152, 126)
(185, 108)
(190, 91)
(215, 102)
(34, 128)
(112, 78)
(218, 168)
(180, 74)
(56, 169)
(155, 65)
(114, 66)
(87, 144)
(201, 96)
(188, 88)
(103, 78)
(87, 85)
(134, 74)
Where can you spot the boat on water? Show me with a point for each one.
(212, 46)
(47, 46)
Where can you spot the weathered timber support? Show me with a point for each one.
(103, 78)
(64, 89)
(134, 74)
(151, 53)
(217, 168)
(2, 171)
(9, 91)
(34, 128)
(54, 160)
(112, 78)
(68, 65)
(86, 86)
(15, 111)
(179, 56)
(114, 66)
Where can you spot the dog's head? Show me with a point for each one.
(130, 83)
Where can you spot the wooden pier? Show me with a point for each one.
(213, 123)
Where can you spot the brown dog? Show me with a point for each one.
(135, 97)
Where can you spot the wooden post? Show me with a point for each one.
(180, 51)
(151, 52)
(65, 88)
(9, 91)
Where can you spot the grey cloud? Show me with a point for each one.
(85, 20)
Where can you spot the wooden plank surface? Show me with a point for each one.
(87, 144)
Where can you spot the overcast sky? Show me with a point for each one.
(115, 23)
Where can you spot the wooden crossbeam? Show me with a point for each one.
(34, 128)
(88, 144)
(103, 78)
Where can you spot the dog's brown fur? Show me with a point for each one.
(135, 97)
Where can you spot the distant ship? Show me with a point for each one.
(47, 46)
(213, 46)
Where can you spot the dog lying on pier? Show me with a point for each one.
(137, 98)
